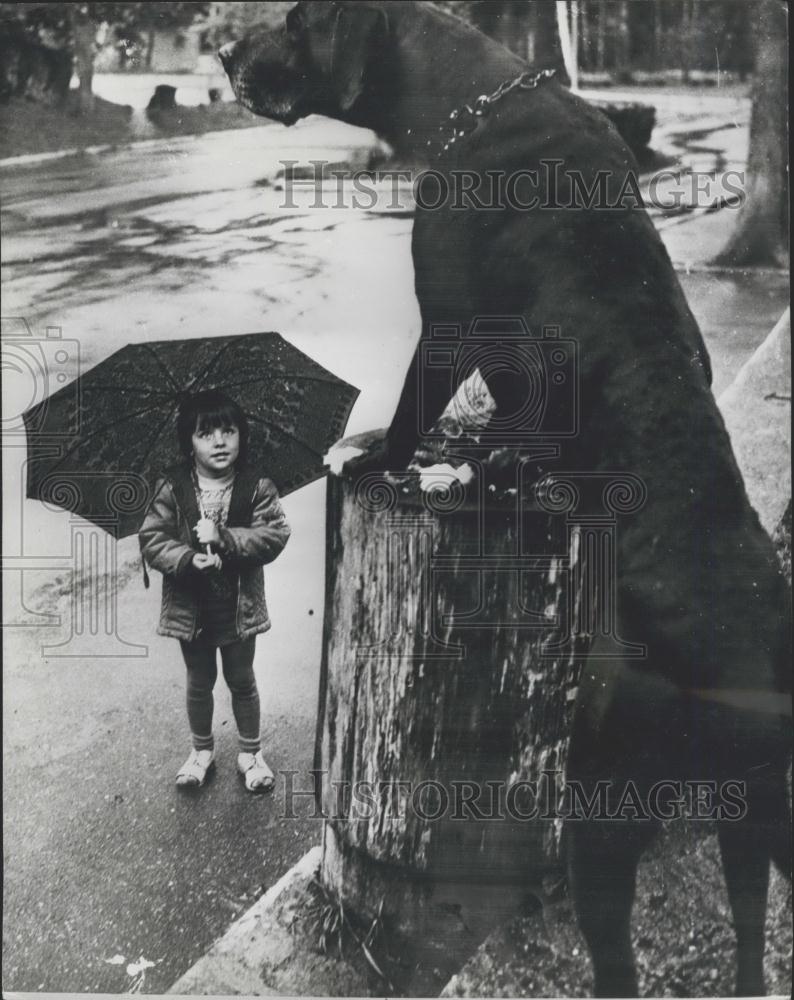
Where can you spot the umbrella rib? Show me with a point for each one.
(298, 376)
(156, 437)
(138, 391)
(163, 366)
(197, 381)
(285, 433)
(100, 430)
(234, 341)
(333, 380)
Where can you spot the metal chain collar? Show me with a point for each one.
(465, 119)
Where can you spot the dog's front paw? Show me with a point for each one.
(338, 457)
(441, 478)
(355, 456)
(374, 459)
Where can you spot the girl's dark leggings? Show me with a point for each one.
(238, 671)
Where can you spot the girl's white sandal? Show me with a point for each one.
(256, 772)
(194, 770)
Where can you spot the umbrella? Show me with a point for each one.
(97, 446)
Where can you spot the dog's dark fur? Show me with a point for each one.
(698, 581)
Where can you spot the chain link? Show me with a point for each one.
(464, 119)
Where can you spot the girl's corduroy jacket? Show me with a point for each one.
(256, 531)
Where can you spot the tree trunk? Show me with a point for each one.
(84, 39)
(623, 47)
(150, 47)
(601, 36)
(569, 39)
(548, 47)
(762, 229)
(741, 33)
(658, 33)
(686, 39)
(442, 663)
(584, 22)
(693, 39)
(507, 21)
(575, 17)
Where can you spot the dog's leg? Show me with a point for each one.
(602, 856)
(745, 860)
(747, 847)
(613, 740)
(602, 868)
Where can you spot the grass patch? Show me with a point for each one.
(30, 127)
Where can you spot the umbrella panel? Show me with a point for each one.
(125, 409)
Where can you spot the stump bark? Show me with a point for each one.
(450, 666)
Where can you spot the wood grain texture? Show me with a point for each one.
(442, 618)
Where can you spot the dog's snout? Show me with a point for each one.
(226, 53)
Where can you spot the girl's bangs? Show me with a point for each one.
(216, 416)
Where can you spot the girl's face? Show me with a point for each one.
(215, 449)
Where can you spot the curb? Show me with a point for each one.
(25, 158)
(211, 969)
(756, 408)
(29, 159)
(261, 954)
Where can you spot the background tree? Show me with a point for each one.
(601, 34)
(737, 52)
(762, 230)
(616, 36)
(229, 21)
(83, 34)
(548, 47)
(527, 27)
(568, 28)
(80, 27)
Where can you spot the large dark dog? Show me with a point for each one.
(698, 583)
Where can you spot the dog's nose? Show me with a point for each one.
(226, 52)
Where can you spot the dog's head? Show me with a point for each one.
(324, 60)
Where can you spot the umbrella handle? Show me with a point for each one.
(207, 546)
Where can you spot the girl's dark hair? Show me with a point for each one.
(205, 411)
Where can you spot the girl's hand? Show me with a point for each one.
(203, 562)
(207, 531)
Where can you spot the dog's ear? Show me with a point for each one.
(359, 37)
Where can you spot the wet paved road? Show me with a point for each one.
(103, 857)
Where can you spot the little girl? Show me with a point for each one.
(211, 526)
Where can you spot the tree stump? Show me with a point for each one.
(163, 98)
(451, 657)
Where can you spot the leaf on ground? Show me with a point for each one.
(136, 968)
